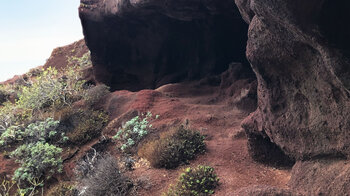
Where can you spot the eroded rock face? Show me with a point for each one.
(138, 44)
(299, 51)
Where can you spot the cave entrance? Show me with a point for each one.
(144, 50)
(333, 23)
(335, 29)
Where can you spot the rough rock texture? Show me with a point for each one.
(260, 190)
(321, 177)
(138, 44)
(238, 84)
(299, 51)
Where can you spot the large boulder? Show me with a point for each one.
(138, 44)
(300, 53)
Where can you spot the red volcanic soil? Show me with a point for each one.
(195, 106)
(7, 166)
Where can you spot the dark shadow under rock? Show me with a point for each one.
(264, 151)
(260, 146)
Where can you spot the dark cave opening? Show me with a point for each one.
(334, 24)
(145, 51)
(335, 29)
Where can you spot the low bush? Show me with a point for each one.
(106, 179)
(63, 189)
(173, 149)
(201, 180)
(10, 136)
(36, 160)
(35, 151)
(81, 62)
(94, 94)
(85, 166)
(43, 92)
(133, 131)
(51, 89)
(83, 125)
(44, 131)
(10, 116)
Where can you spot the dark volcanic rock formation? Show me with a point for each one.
(299, 52)
(138, 44)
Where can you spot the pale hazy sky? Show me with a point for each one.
(30, 30)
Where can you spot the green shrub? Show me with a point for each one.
(201, 180)
(38, 131)
(63, 189)
(81, 62)
(46, 90)
(133, 131)
(94, 94)
(106, 179)
(10, 115)
(44, 131)
(51, 89)
(73, 84)
(36, 159)
(83, 125)
(36, 153)
(10, 136)
(174, 149)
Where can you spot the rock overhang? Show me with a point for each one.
(138, 44)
